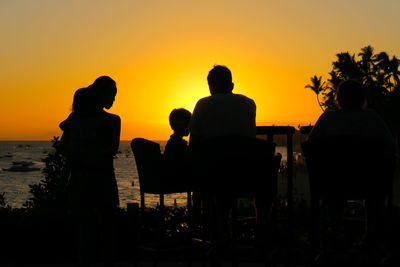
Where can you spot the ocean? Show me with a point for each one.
(16, 184)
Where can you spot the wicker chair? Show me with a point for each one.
(153, 180)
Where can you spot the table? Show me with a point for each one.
(270, 132)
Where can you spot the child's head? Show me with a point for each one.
(84, 103)
(179, 121)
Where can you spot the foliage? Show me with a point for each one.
(317, 86)
(42, 225)
(3, 203)
(379, 73)
(52, 191)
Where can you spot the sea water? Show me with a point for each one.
(16, 184)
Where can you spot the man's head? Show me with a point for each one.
(179, 121)
(350, 94)
(220, 80)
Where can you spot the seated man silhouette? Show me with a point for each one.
(353, 119)
(176, 153)
(223, 113)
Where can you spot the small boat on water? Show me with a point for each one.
(22, 166)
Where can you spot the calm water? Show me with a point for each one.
(15, 184)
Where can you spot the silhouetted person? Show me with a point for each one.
(176, 153)
(82, 105)
(354, 119)
(223, 113)
(91, 139)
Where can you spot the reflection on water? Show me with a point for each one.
(126, 173)
(15, 184)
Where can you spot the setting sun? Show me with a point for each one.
(160, 53)
(108, 174)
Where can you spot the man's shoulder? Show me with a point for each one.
(351, 113)
(111, 116)
(205, 99)
(331, 114)
(371, 112)
(226, 97)
(240, 96)
(244, 98)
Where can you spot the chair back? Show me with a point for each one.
(236, 164)
(348, 167)
(148, 162)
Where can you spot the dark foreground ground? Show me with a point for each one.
(48, 239)
(147, 264)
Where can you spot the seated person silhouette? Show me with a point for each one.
(176, 154)
(353, 119)
(222, 114)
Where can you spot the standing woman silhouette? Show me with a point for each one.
(91, 139)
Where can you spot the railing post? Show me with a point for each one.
(290, 182)
(270, 138)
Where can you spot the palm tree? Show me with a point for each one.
(367, 63)
(382, 68)
(317, 86)
(394, 70)
(347, 67)
(387, 73)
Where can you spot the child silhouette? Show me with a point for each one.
(176, 153)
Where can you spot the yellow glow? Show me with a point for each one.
(159, 53)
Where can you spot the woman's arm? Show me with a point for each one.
(115, 133)
(113, 129)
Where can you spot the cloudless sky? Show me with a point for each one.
(159, 53)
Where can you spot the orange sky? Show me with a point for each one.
(159, 53)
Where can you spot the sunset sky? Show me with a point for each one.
(159, 53)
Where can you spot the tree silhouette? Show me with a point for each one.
(317, 86)
(51, 192)
(380, 75)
